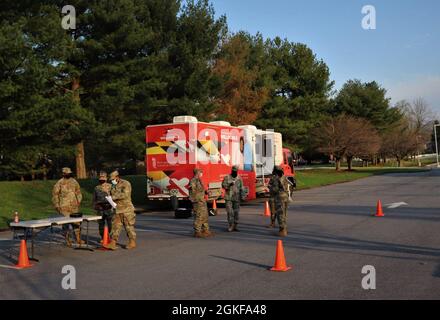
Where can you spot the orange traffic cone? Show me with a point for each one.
(23, 259)
(379, 212)
(214, 205)
(280, 260)
(105, 239)
(267, 209)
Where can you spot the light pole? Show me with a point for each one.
(436, 144)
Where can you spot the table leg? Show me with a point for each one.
(87, 234)
(32, 247)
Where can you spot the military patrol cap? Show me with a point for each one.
(114, 175)
(103, 175)
(234, 168)
(66, 170)
(197, 170)
(278, 168)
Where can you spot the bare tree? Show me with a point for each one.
(400, 141)
(420, 118)
(421, 115)
(347, 136)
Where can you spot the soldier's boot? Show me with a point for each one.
(131, 244)
(235, 228)
(112, 245)
(68, 241)
(207, 234)
(231, 228)
(283, 233)
(272, 224)
(198, 234)
(78, 239)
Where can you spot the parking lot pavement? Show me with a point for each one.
(332, 235)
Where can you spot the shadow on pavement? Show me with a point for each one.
(243, 262)
(297, 238)
(436, 272)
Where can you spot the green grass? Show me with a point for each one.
(32, 199)
(307, 179)
(314, 178)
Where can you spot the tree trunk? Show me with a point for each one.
(81, 171)
(398, 162)
(350, 163)
(338, 164)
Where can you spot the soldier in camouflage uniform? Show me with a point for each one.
(101, 205)
(234, 193)
(125, 215)
(272, 202)
(66, 198)
(197, 197)
(279, 187)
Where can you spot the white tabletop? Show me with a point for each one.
(91, 218)
(65, 220)
(51, 221)
(32, 223)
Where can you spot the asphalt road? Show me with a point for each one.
(332, 235)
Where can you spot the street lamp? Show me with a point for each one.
(436, 144)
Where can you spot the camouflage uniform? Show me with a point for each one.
(103, 207)
(125, 215)
(66, 198)
(234, 192)
(272, 204)
(197, 197)
(279, 187)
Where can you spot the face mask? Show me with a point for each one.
(234, 174)
(114, 182)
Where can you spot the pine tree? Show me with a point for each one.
(37, 118)
(368, 101)
(299, 92)
(240, 68)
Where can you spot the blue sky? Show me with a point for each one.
(402, 54)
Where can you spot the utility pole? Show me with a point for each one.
(436, 144)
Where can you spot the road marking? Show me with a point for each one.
(396, 205)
